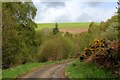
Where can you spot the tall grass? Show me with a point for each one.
(89, 70)
(20, 70)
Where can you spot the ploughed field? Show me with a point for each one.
(73, 28)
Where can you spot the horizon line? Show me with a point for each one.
(66, 22)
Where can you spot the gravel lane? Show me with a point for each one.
(49, 71)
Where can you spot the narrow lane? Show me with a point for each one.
(49, 71)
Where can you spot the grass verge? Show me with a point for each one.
(25, 68)
(89, 70)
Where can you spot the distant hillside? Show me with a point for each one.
(73, 28)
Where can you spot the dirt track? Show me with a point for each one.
(49, 71)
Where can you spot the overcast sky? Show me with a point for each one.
(74, 11)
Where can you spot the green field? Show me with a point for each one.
(65, 25)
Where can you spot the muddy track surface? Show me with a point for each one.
(48, 71)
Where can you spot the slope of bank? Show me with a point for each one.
(89, 70)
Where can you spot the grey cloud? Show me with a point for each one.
(63, 18)
(84, 17)
(96, 0)
(45, 7)
(52, 0)
(54, 4)
(92, 4)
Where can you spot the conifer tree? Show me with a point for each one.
(56, 29)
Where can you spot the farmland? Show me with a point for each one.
(74, 28)
(65, 25)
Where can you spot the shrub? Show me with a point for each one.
(43, 34)
(56, 48)
(104, 55)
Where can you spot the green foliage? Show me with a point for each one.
(67, 34)
(111, 32)
(42, 35)
(18, 33)
(105, 25)
(50, 50)
(56, 29)
(118, 13)
(86, 37)
(56, 48)
(52, 47)
(86, 71)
